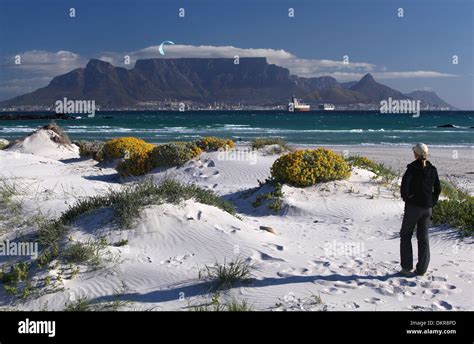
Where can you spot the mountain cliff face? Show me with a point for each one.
(430, 98)
(204, 80)
(374, 91)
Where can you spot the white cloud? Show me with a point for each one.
(413, 74)
(296, 65)
(45, 62)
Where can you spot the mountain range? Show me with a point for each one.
(252, 81)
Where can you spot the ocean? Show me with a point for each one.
(338, 128)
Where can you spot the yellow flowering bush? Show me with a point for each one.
(174, 154)
(309, 167)
(212, 144)
(138, 163)
(124, 147)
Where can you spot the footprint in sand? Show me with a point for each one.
(190, 216)
(175, 261)
(218, 228)
(209, 163)
(275, 247)
(385, 290)
(319, 263)
(430, 293)
(350, 305)
(293, 272)
(374, 300)
(266, 257)
(403, 282)
(332, 291)
(235, 229)
(438, 285)
(213, 175)
(419, 308)
(442, 305)
(367, 284)
(347, 285)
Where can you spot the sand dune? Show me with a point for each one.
(337, 240)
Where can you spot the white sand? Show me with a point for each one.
(41, 143)
(338, 240)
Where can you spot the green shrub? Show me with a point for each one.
(16, 273)
(456, 213)
(450, 191)
(259, 143)
(90, 149)
(309, 167)
(174, 154)
(273, 198)
(213, 144)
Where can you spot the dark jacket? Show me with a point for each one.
(420, 185)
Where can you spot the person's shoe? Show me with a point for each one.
(418, 273)
(406, 273)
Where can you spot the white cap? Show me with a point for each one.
(421, 150)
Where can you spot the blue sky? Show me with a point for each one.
(413, 52)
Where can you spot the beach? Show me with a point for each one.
(332, 246)
(453, 163)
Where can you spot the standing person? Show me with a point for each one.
(420, 190)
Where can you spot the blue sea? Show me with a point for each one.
(338, 128)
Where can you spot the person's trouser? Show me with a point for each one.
(421, 218)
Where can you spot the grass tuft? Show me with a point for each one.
(259, 143)
(379, 169)
(456, 210)
(128, 202)
(226, 275)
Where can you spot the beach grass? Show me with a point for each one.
(216, 305)
(127, 202)
(450, 191)
(379, 169)
(456, 210)
(227, 274)
(262, 142)
(89, 253)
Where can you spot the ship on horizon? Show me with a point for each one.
(327, 107)
(296, 106)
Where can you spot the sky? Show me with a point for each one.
(410, 52)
